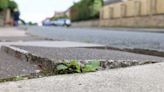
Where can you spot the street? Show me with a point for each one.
(120, 38)
(82, 46)
(24, 56)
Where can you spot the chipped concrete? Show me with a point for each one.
(11, 67)
(147, 78)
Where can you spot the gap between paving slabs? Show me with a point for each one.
(50, 67)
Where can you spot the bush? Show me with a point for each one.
(86, 9)
(60, 17)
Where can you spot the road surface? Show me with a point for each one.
(120, 38)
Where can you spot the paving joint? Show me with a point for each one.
(49, 64)
(133, 50)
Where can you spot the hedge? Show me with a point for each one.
(86, 9)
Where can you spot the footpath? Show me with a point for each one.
(22, 54)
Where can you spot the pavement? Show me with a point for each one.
(11, 67)
(146, 78)
(16, 35)
(49, 44)
(68, 53)
(12, 32)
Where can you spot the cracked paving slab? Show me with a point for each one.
(11, 67)
(86, 54)
(147, 78)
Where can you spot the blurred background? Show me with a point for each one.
(92, 13)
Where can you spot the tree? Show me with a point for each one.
(4, 4)
(86, 9)
(12, 5)
(97, 5)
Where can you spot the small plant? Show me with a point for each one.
(92, 66)
(74, 67)
(17, 78)
(67, 68)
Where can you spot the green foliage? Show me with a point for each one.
(60, 17)
(74, 67)
(86, 9)
(12, 5)
(67, 68)
(92, 66)
(61, 67)
(8, 4)
(4, 4)
(19, 78)
(32, 24)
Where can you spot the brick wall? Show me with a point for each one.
(89, 23)
(144, 21)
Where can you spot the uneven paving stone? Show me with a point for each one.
(10, 66)
(86, 54)
(147, 78)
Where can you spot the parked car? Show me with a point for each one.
(47, 22)
(62, 22)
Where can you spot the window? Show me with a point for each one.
(137, 8)
(123, 10)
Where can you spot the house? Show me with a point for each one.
(67, 12)
(58, 14)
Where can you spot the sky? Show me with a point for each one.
(38, 10)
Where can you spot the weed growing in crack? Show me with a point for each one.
(74, 67)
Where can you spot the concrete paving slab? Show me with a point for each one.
(86, 54)
(12, 32)
(147, 78)
(59, 44)
(11, 67)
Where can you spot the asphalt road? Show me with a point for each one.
(120, 37)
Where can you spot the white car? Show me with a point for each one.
(61, 22)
